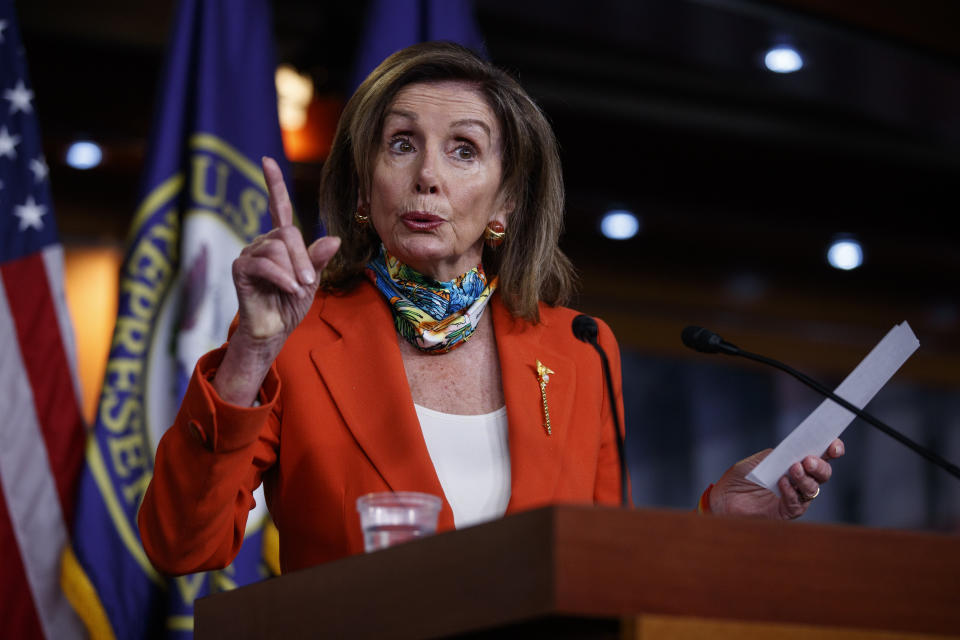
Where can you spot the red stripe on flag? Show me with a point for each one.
(45, 359)
(17, 609)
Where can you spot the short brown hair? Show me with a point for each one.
(530, 264)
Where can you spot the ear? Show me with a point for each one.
(505, 206)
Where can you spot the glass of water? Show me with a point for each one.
(391, 518)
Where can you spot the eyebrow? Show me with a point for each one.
(466, 122)
(474, 122)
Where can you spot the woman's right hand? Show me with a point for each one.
(276, 277)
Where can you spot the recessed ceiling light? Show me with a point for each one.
(783, 59)
(619, 224)
(845, 254)
(84, 154)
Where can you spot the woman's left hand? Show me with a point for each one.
(733, 494)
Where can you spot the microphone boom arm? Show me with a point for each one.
(893, 433)
(585, 329)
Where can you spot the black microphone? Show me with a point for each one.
(707, 341)
(585, 329)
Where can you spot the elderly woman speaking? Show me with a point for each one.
(422, 346)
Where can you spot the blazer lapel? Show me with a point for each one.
(361, 365)
(535, 457)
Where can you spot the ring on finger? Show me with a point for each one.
(806, 498)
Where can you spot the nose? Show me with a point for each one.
(426, 179)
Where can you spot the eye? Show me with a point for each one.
(465, 152)
(401, 144)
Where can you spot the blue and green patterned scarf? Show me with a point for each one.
(435, 317)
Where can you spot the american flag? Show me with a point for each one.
(41, 428)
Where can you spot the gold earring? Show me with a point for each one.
(494, 234)
(361, 216)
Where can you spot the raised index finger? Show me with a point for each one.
(281, 211)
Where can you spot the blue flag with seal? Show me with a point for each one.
(395, 24)
(203, 199)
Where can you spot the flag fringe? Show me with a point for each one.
(271, 547)
(83, 597)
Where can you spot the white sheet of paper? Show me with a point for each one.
(827, 422)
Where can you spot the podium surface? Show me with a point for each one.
(570, 571)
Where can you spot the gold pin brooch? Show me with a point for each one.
(543, 375)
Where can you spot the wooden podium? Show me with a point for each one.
(581, 572)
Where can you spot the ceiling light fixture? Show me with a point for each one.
(84, 154)
(783, 59)
(619, 224)
(845, 254)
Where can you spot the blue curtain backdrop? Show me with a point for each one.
(392, 25)
(203, 197)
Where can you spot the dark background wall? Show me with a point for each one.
(741, 178)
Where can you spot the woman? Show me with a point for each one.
(421, 346)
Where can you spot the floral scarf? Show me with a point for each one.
(435, 317)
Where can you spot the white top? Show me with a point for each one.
(472, 459)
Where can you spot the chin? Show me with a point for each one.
(421, 248)
(431, 256)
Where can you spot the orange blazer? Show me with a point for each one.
(337, 421)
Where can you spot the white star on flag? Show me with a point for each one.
(39, 168)
(8, 144)
(30, 214)
(19, 98)
(3, 25)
